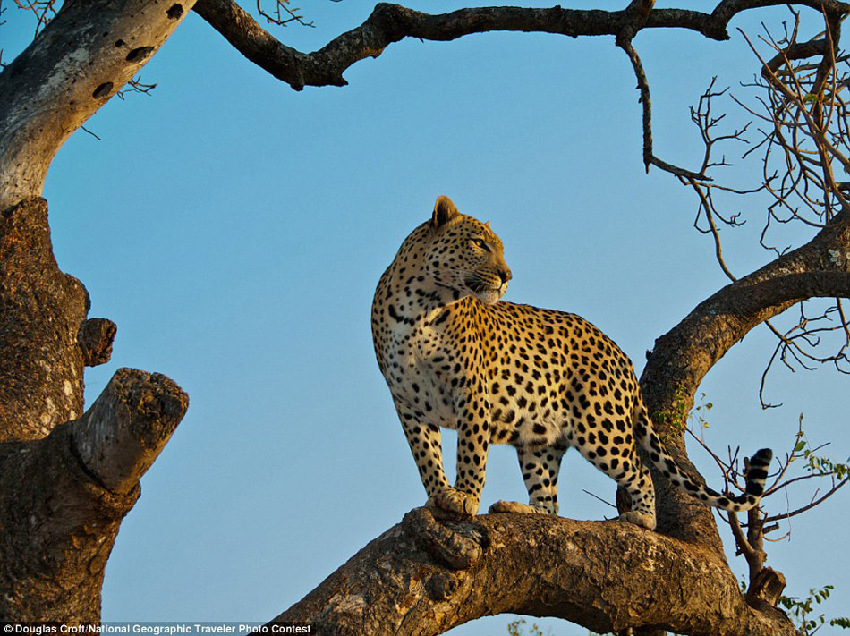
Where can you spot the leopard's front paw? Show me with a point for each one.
(455, 501)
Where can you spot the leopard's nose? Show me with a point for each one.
(506, 276)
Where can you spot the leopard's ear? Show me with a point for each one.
(444, 211)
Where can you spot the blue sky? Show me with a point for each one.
(235, 230)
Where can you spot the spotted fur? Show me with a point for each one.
(454, 356)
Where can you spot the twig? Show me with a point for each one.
(607, 503)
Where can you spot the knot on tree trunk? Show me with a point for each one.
(457, 544)
(95, 338)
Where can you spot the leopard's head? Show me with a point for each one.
(465, 255)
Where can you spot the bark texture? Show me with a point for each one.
(74, 66)
(96, 337)
(41, 310)
(424, 576)
(62, 498)
(391, 23)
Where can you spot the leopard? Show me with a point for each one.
(456, 356)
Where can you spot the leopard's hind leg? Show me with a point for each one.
(623, 465)
(540, 472)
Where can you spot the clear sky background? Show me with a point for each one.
(235, 230)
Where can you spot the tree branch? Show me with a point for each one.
(390, 23)
(387, 24)
(401, 584)
(64, 488)
(684, 355)
(62, 498)
(127, 427)
(75, 65)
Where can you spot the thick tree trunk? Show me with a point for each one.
(66, 479)
(41, 312)
(62, 498)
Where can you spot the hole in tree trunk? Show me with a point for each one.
(139, 54)
(103, 90)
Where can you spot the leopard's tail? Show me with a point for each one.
(755, 475)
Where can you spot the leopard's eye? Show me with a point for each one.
(482, 244)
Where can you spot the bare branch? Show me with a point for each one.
(283, 14)
(387, 24)
(135, 85)
(607, 503)
(43, 10)
(649, 158)
(62, 498)
(809, 506)
(117, 39)
(391, 23)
